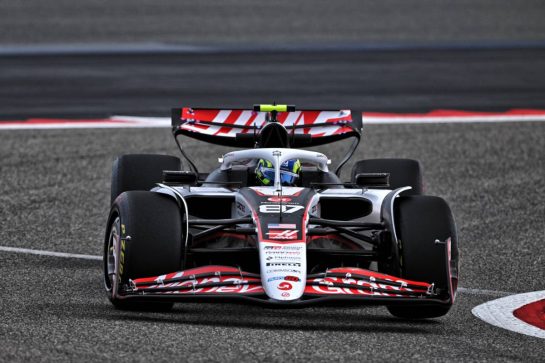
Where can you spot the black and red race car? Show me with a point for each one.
(177, 235)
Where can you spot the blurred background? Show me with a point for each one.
(96, 58)
(235, 22)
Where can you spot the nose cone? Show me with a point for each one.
(283, 269)
(281, 221)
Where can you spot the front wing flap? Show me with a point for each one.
(343, 283)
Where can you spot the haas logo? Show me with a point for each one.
(284, 286)
(282, 234)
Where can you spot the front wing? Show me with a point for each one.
(337, 284)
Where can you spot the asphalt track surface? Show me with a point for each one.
(55, 185)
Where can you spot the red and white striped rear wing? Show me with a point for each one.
(341, 284)
(221, 126)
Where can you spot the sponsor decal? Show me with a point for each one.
(283, 248)
(282, 234)
(241, 207)
(283, 253)
(282, 226)
(290, 258)
(274, 278)
(287, 259)
(292, 247)
(279, 208)
(292, 278)
(289, 264)
(326, 287)
(283, 270)
(284, 286)
(236, 285)
(285, 294)
(279, 199)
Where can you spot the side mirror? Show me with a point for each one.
(373, 180)
(179, 177)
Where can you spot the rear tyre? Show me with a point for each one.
(403, 172)
(139, 172)
(144, 238)
(423, 225)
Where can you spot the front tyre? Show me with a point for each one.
(424, 225)
(144, 238)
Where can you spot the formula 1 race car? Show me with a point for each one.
(273, 225)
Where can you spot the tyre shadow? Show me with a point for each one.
(329, 319)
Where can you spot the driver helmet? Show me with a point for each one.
(289, 172)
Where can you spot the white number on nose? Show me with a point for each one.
(277, 208)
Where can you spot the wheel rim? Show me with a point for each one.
(111, 257)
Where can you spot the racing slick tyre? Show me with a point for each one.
(423, 226)
(139, 172)
(403, 172)
(144, 237)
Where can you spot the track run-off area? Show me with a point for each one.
(60, 136)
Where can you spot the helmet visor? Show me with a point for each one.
(286, 177)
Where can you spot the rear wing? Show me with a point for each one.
(221, 126)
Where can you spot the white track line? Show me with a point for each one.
(499, 313)
(425, 120)
(165, 121)
(113, 122)
(49, 253)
